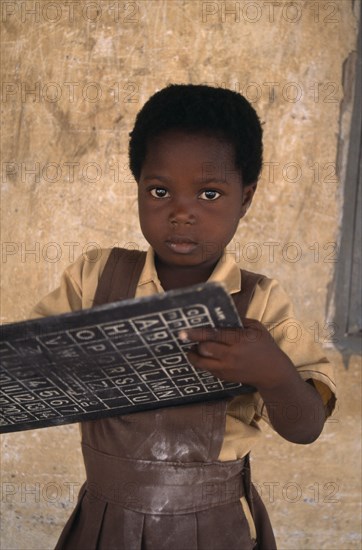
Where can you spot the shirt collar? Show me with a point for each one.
(226, 271)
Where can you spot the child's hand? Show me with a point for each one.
(248, 355)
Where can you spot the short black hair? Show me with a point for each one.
(197, 108)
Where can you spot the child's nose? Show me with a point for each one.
(182, 212)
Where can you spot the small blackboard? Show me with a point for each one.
(113, 359)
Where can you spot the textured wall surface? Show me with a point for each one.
(74, 75)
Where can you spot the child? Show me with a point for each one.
(178, 478)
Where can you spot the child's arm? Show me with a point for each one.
(251, 356)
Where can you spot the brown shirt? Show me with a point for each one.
(270, 305)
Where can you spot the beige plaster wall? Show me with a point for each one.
(74, 76)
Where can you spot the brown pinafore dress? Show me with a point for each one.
(154, 481)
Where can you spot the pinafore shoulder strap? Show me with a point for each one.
(243, 298)
(120, 276)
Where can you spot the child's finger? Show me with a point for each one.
(204, 363)
(201, 334)
(214, 366)
(214, 350)
(227, 336)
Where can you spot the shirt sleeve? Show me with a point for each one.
(272, 307)
(77, 287)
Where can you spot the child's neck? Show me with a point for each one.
(172, 277)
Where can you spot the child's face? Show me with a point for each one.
(191, 199)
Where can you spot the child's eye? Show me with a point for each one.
(159, 192)
(210, 195)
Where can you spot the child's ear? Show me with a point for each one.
(248, 194)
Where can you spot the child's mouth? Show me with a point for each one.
(181, 245)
